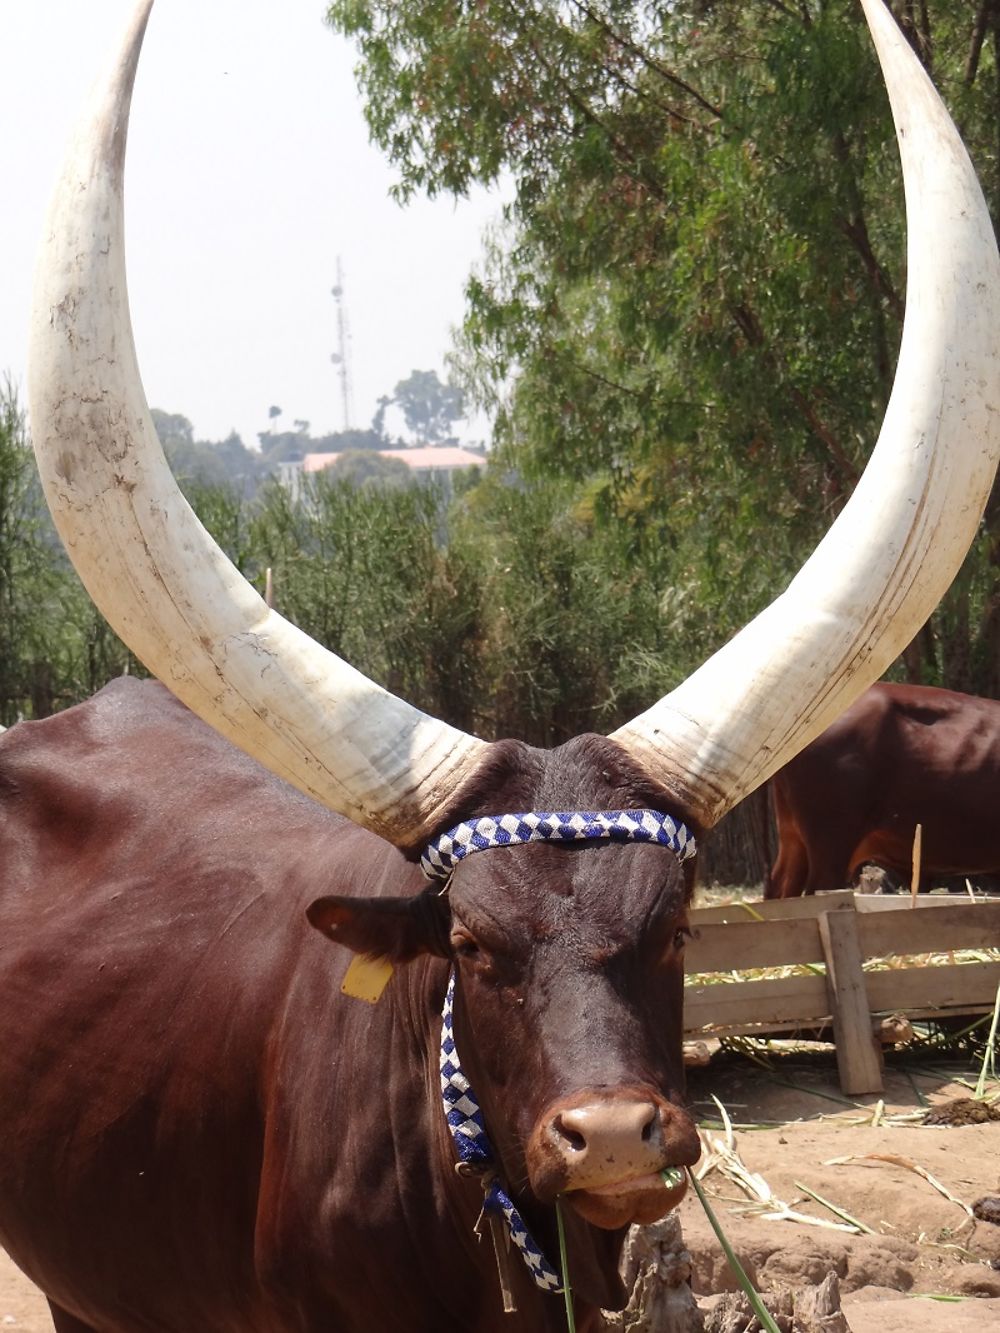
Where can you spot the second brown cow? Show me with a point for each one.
(902, 755)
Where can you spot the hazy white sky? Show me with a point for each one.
(249, 173)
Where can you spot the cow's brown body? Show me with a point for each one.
(207, 1137)
(197, 1133)
(902, 755)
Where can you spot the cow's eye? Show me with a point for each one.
(678, 940)
(464, 945)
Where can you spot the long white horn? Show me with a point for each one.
(150, 566)
(894, 549)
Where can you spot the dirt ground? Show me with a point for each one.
(21, 1304)
(792, 1128)
(917, 1246)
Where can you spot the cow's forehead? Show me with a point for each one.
(619, 888)
(586, 773)
(536, 887)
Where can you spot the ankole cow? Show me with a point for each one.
(902, 755)
(199, 1131)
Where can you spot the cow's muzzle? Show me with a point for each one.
(605, 1149)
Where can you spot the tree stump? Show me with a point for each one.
(656, 1269)
(808, 1310)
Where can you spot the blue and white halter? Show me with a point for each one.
(472, 1143)
(477, 835)
(461, 1106)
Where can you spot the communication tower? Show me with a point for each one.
(340, 357)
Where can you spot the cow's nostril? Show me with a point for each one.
(571, 1137)
(648, 1128)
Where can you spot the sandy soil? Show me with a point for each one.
(22, 1305)
(919, 1244)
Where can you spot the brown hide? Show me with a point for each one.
(902, 755)
(200, 1134)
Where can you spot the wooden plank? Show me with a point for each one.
(929, 988)
(745, 945)
(783, 1028)
(774, 909)
(957, 925)
(952, 1011)
(783, 909)
(859, 1057)
(899, 902)
(798, 1000)
(780, 1030)
(786, 1003)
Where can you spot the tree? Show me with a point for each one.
(363, 467)
(430, 408)
(342, 440)
(227, 514)
(25, 569)
(564, 641)
(362, 569)
(196, 463)
(694, 310)
(54, 646)
(284, 446)
(174, 431)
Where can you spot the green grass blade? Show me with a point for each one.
(757, 1305)
(564, 1266)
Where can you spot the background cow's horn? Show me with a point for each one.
(892, 552)
(150, 566)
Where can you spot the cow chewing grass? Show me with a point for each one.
(200, 1130)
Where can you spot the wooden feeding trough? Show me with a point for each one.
(828, 938)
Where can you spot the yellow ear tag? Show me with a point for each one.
(366, 978)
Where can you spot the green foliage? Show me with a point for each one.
(54, 646)
(364, 467)
(694, 308)
(24, 566)
(230, 465)
(284, 446)
(361, 569)
(342, 440)
(195, 463)
(430, 408)
(564, 636)
(223, 510)
(293, 445)
(687, 328)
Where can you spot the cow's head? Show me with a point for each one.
(588, 939)
(569, 961)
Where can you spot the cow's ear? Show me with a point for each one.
(396, 929)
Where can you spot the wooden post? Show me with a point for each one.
(915, 875)
(859, 1058)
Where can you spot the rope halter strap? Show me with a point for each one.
(461, 1106)
(443, 854)
(472, 1143)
